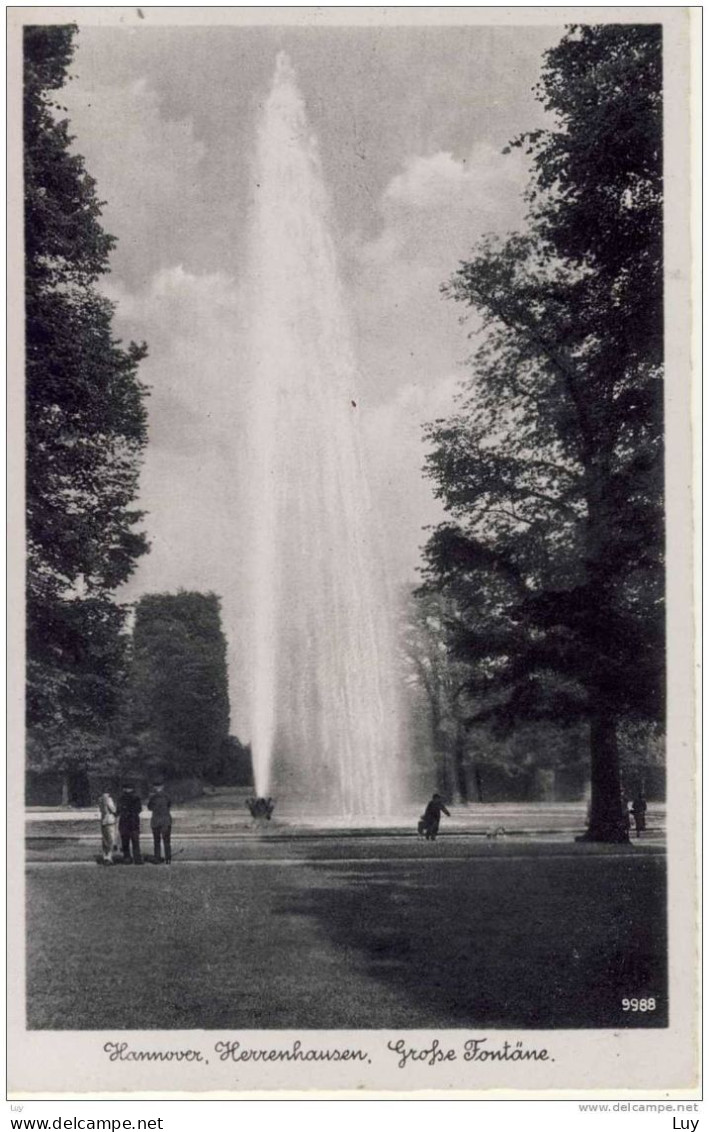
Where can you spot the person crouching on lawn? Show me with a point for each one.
(160, 822)
(129, 808)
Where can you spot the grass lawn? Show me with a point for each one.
(503, 939)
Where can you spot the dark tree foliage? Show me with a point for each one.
(85, 429)
(598, 192)
(177, 710)
(552, 469)
(233, 766)
(428, 665)
(436, 643)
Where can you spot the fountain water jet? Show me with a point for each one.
(324, 712)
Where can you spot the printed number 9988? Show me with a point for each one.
(638, 1004)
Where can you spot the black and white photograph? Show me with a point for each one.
(354, 668)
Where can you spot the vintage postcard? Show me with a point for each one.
(352, 620)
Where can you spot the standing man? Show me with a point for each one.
(107, 810)
(638, 810)
(160, 822)
(432, 817)
(129, 808)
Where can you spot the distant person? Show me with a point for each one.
(129, 808)
(107, 812)
(160, 822)
(638, 810)
(432, 817)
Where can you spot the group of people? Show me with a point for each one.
(126, 815)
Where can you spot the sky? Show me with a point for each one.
(411, 124)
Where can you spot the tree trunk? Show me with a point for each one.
(443, 767)
(479, 784)
(608, 822)
(461, 779)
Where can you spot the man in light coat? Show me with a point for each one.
(107, 810)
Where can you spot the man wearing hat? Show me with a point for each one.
(432, 817)
(129, 808)
(160, 822)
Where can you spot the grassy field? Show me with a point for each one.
(508, 937)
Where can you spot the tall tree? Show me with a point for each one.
(430, 667)
(178, 704)
(469, 751)
(552, 469)
(85, 429)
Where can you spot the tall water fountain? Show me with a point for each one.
(324, 714)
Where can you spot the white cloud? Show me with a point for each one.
(147, 167)
(393, 439)
(411, 344)
(432, 212)
(440, 179)
(436, 209)
(195, 419)
(191, 325)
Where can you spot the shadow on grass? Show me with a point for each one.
(526, 944)
(499, 941)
